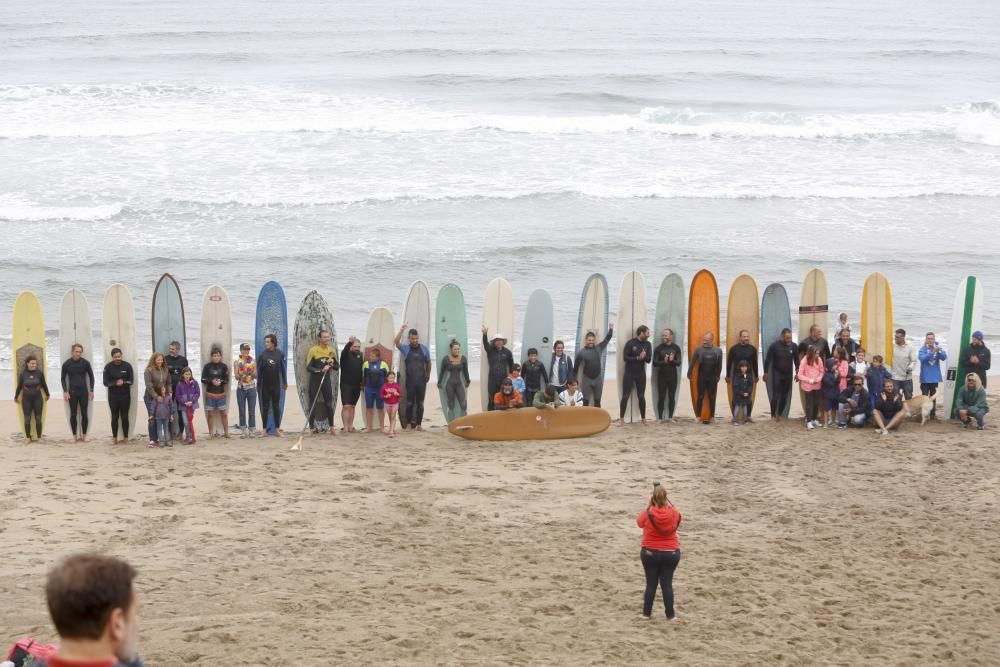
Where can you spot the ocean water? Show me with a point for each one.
(355, 148)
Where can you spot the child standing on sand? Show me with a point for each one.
(187, 394)
(390, 395)
(742, 390)
(831, 392)
(163, 413)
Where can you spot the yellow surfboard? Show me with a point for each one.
(743, 312)
(532, 424)
(876, 318)
(28, 340)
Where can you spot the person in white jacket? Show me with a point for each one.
(904, 358)
(571, 396)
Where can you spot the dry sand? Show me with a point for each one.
(826, 547)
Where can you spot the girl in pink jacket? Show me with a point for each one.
(810, 377)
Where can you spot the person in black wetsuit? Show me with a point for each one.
(666, 364)
(176, 363)
(743, 351)
(454, 375)
(118, 378)
(589, 367)
(781, 360)
(815, 338)
(637, 353)
(351, 362)
(416, 360)
(30, 385)
(708, 359)
(77, 380)
(500, 362)
(534, 375)
(272, 378)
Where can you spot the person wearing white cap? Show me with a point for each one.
(500, 360)
(976, 357)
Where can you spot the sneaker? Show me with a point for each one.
(253, 433)
(980, 428)
(153, 444)
(810, 425)
(243, 432)
(841, 425)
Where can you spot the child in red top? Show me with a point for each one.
(391, 392)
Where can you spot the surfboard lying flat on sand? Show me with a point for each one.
(532, 424)
(539, 324)
(168, 316)
(272, 318)
(416, 315)
(966, 317)
(74, 328)
(703, 317)
(217, 332)
(670, 308)
(28, 339)
(631, 315)
(775, 315)
(118, 330)
(876, 319)
(742, 313)
(813, 309)
(498, 316)
(313, 316)
(593, 317)
(450, 324)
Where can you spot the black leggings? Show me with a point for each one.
(270, 399)
(707, 386)
(79, 400)
(636, 379)
(32, 407)
(667, 388)
(659, 567)
(120, 406)
(782, 393)
(812, 405)
(327, 390)
(413, 415)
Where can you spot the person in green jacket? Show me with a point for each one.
(549, 398)
(972, 402)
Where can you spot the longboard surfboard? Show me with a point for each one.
(532, 424)
(450, 325)
(670, 307)
(118, 330)
(74, 329)
(966, 317)
(272, 318)
(703, 317)
(632, 314)
(498, 318)
(29, 340)
(742, 313)
(775, 315)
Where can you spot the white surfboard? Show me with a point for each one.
(217, 331)
(498, 316)
(966, 317)
(74, 328)
(118, 330)
(632, 314)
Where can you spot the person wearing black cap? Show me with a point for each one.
(976, 357)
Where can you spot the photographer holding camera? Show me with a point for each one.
(661, 550)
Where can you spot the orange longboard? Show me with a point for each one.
(703, 317)
(532, 424)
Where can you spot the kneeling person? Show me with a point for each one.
(971, 402)
(548, 398)
(507, 398)
(855, 405)
(571, 396)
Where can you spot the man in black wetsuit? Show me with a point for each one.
(272, 378)
(708, 360)
(351, 363)
(176, 363)
(415, 358)
(743, 351)
(78, 388)
(589, 368)
(814, 338)
(666, 365)
(781, 360)
(500, 362)
(637, 353)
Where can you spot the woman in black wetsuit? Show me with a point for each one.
(30, 385)
(351, 361)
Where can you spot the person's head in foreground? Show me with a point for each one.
(93, 605)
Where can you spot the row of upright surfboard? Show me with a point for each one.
(764, 317)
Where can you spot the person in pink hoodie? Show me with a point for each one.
(843, 366)
(810, 377)
(660, 549)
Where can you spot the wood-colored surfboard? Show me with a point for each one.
(813, 309)
(532, 424)
(742, 312)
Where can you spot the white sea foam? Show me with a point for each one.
(19, 207)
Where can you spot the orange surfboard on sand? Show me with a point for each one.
(703, 317)
(532, 424)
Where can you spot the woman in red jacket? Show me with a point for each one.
(661, 550)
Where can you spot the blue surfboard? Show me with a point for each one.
(272, 318)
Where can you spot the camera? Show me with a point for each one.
(656, 483)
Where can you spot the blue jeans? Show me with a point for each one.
(152, 422)
(978, 415)
(659, 567)
(246, 399)
(162, 431)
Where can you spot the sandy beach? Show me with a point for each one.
(831, 548)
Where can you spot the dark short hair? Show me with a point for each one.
(175, 343)
(272, 338)
(215, 350)
(516, 367)
(413, 332)
(82, 592)
(901, 331)
(557, 344)
(641, 330)
(785, 330)
(532, 350)
(115, 350)
(590, 334)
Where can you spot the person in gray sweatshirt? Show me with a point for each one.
(904, 357)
